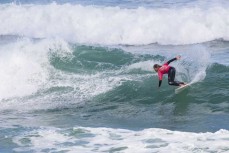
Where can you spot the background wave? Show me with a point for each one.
(114, 25)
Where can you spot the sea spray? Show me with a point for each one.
(24, 66)
(196, 61)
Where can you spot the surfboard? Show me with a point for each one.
(178, 90)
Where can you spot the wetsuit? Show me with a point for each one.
(171, 71)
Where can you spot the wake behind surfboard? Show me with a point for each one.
(178, 90)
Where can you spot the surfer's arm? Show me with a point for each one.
(160, 81)
(171, 60)
(160, 75)
(176, 58)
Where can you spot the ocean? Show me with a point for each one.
(76, 76)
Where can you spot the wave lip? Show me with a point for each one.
(113, 25)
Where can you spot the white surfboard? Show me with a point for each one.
(178, 90)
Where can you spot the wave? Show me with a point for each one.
(86, 139)
(114, 25)
(41, 72)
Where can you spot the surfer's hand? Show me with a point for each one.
(178, 57)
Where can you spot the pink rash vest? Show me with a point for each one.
(164, 69)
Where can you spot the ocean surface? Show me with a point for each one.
(76, 76)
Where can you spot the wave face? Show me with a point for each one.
(114, 25)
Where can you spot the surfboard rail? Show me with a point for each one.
(178, 90)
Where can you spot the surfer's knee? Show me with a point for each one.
(170, 83)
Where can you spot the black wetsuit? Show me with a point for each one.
(171, 77)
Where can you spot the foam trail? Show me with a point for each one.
(113, 25)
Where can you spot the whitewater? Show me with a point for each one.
(77, 76)
(114, 25)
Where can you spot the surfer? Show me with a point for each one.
(171, 71)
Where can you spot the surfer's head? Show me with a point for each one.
(156, 67)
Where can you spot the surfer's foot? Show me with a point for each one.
(182, 84)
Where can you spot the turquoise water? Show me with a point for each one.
(77, 77)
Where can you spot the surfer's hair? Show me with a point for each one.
(156, 66)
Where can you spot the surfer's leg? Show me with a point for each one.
(171, 77)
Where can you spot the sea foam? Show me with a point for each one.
(122, 140)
